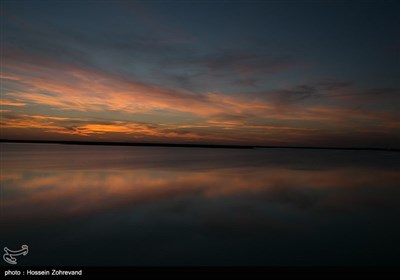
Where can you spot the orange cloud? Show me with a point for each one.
(38, 82)
(87, 127)
(62, 86)
(6, 102)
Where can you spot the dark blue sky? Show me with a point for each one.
(205, 71)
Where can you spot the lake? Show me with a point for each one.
(163, 206)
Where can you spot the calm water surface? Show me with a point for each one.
(93, 205)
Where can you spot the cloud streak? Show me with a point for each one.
(65, 81)
(82, 89)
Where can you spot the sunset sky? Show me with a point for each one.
(323, 73)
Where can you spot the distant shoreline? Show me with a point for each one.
(101, 143)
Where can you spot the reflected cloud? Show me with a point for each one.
(69, 192)
(197, 203)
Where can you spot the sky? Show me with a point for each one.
(304, 73)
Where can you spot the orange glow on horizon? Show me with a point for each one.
(81, 93)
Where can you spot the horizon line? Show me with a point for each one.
(191, 145)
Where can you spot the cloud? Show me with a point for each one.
(6, 102)
(36, 82)
(220, 117)
(66, 87)
(81, 127)
(80, 89)
(338, 93)
(248, 63)
(249, 82)
(333, 85)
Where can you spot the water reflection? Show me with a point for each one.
(174, 206)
